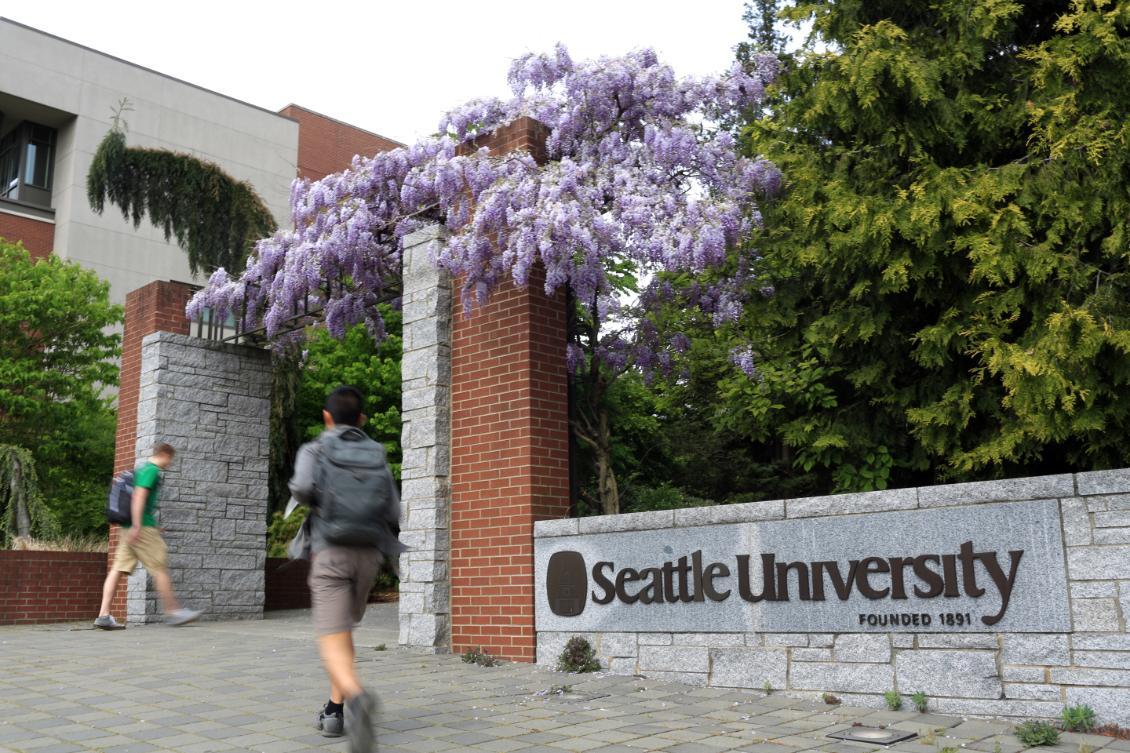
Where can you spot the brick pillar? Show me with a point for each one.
(509, 448)
(158, 306)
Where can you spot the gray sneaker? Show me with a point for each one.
(107, 622)
(182, 617)
(359, 713)
(330, 725)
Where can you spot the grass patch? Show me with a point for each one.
(69, 543)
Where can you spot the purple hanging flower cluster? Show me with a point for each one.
(637, 179)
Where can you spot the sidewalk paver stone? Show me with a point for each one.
(254, 686)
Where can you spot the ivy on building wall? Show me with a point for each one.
(215, 218)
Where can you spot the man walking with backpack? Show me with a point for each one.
(344, 477)
(140, 541)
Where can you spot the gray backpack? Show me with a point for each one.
(354, 489)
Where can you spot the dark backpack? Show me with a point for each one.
(119, 507)
(354, 489)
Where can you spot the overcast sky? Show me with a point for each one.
(389, 67)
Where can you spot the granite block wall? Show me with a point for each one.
(212, 403)
(1012, 674)
(426, 442)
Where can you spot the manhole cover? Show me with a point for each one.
(876, 735)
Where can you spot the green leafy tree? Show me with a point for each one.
(949, 259)
(373, 368)
(56, 359)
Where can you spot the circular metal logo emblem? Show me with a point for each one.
(566, 583)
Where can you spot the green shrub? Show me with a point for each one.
(577, 656)
(662, 497)
(1078, 718)
(1033, 733)
(480, 657)
(281, 530)
(920, 701)
(893, 699)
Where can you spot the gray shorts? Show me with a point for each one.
(340, 580)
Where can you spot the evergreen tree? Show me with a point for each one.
(950, 256)
(760, 17)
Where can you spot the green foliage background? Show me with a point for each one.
(949, 256)
(374, 368)
(55, 361)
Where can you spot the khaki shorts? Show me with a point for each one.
(340, 580)
(150, 550)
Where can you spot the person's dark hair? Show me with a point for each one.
(164, 448)
(344, 405)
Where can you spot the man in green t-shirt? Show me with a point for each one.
(142, 542)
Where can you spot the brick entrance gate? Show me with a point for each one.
(486, 451)
(485, 440)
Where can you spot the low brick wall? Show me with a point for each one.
(1020, 671)
(286, 585)
(39, 587)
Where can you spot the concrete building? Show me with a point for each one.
(56, 103)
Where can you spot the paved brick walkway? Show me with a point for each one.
(255, 686)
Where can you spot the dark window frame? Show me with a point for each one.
(34, 176)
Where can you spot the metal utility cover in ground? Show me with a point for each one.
(876, 735)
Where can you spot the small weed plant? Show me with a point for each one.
(480, 657)
(1034, 733)
(577, 656)
(949, 749)
(1078, 718)
(380, 647)
(893, 699)
(920, 700)
(831, 700)
(767, 688)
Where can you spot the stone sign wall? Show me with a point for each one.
(699, 595)
(212, 403)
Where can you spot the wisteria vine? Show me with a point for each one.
(637, 178)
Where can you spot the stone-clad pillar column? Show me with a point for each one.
(158, 306)
(426, 444)
(212, 403)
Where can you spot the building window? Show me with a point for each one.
(10, 165)
(40, 156)
(27, 163)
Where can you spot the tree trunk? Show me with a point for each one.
(606, 476)
(23, 515)
(593, 428)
